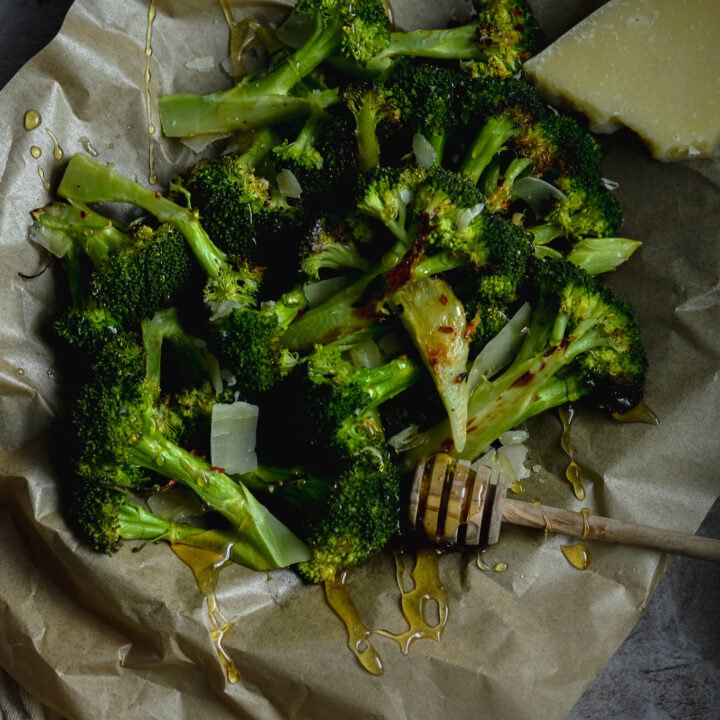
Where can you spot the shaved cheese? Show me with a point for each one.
(232, 437)
(650, 65)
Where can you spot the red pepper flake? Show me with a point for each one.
(443, 299)
(158, 194)
(83, 214)
(520, 27)
(447, 445)
(517, 12)
(446, 329)
(215, 468)
(461, 377)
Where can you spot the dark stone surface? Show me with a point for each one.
(669, 667)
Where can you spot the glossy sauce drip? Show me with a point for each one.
(517, 488)
(87, 146)
(206, 566)
(482, 565)
(500, 567)
(578, 555)
(45, 182)
(641, 413)
(58, 153)
(339, 599)
(152, 179)
(241, 39)
(32, 120)
(427, 591)
(573, 472)
(35, 152)
(585, 512)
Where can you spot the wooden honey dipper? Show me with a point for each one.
(456, 505)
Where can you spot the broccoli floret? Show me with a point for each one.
(322, 157)
(346, 516)
(372, 109)
(509, 34)
(437, 219)
(249, 340)
(124, 431)
(105, 517)
(496, 42)
(148, 275)
(357, 29)
(427, 96)
(231, 198)
(231, 291)
(583, 341)
(559, 146)
(361, 516)
(340, 399)
(331, 245)
(133, 272)
(506, 108)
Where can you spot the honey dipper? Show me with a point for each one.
(456, 505)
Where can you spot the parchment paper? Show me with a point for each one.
(127, 637)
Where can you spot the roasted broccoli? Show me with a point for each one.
(583, 340)
(358, 30)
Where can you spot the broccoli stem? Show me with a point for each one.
(457, 43)
(486, 144)
(136, 523)
(80, 226)
(256, 527)
(88, 181)
(256, 101)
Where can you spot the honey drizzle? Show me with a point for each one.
(578, 555)
(152, 179)
(31, 120)
(58, 153)
(339, 599)
(427, 588)
(573, 472)
(241, 38)
(45, 182)
(641, 413)
(585, 512)
(206, 566)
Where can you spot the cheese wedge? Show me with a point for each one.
(650, 65)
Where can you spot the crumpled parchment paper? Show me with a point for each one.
(94, 637)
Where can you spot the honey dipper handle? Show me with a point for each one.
(595, 527)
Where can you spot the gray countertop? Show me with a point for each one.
(669, 667)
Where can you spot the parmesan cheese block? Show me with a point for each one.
(650, 65)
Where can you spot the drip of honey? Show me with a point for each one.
(427, 592)
(152, 179)
(573, 472)
(32, 120)
(585, 512)
(45, 182)
(500, 567)
(517, 488)
(242, 36)
(339, 599)
(417, 604)
(35, 152)
(578, 555)
(482, 565)
(641, 413)
(58, 153)
(206, 566)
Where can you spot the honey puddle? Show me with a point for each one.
(424, 607)
(206, 566)
(578, 555)
(641, 413)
